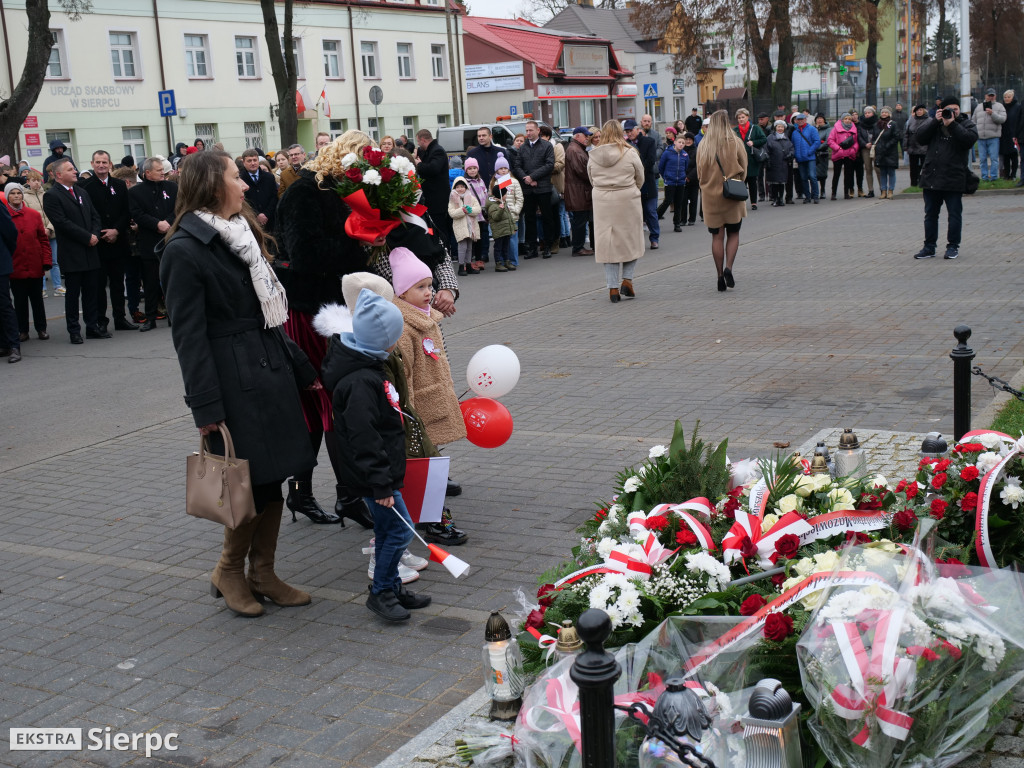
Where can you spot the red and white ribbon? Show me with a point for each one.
(620, 560)
(546, 642)
(758, 500)
(701, 506)
(878, 678)
(841, 521)
(413, 214)
(749, 527)
(988, 483)
(561, 700)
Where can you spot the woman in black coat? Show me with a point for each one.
(238, 366)
(780, 159)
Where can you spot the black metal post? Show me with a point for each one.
(962, 356)
(595, 672)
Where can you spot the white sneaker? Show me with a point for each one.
(409, 560)
(407, 575)
(60, 291)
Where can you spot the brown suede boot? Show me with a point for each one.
(228, 579)
(613, 294)
(627, 289)
(262, 580)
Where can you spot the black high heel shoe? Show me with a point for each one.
(727, 274)
(301, 499)
(353, 508)
(721, 283)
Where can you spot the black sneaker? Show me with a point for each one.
(386, 606)
(952, 251)
(408, 599)
(925, 253)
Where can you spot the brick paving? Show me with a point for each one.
(105, 619)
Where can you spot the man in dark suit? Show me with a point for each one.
(262, 191)
(649, 191)
(151, 203)
(77, 228)
(110, 199)
(432, 168)
(533, 166)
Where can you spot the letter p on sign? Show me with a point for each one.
(167, 108)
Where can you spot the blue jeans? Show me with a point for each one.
(513, 249)
(650, 206)
(886, 178)
(392, 537)
(988, 156)
(563, 217)
(501, 249)
(54, 272)
(933, 200)
(809, 179)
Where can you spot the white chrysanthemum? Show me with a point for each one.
(632, 484)
(616, 509)
(605, 547)
(629, 601)
(349, 160)
(986, 462)
(941, 596)
(718, 573)
(989, 440)
(599, 596)
(635, 618)
(1012, 493)
(401, 165)
(372, 176)
(615, 615)
(605, 526)
(616, 580)
(657, 452)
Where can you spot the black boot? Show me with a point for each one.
(386, 606)
(301, 499)
(353, 508)
(408, 599)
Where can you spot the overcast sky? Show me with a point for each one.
(501, 9)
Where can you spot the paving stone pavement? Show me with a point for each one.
(106, 619)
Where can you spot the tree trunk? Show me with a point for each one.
(760, 46)
(283, 69)
(871, 81)
(14, 110)
(940, 57)
(787, 53)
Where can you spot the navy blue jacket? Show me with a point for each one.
(673, 166)
(8, 241)
(805, 142)
(649, 157)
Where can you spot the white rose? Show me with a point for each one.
(820, 482)
(768, 521)
(791, 582)
(825, 561)
(349, 160)
(632, 484)
(788, 504)
(804, 486)
(840, 498)
(372, 177)
(804, 567)
(880, 482)
(813, 600)
(876, 558)
(657, 452)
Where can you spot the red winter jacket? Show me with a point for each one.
(33, 250)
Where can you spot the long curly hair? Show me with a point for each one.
(327, 162)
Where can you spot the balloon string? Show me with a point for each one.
(464, 394)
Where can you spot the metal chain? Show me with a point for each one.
(998, 383)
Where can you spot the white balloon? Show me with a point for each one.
(493, 371)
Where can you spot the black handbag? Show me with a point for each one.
(973, 180)
(732, 189)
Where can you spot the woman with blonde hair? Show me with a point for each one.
(722, 155)
(615, 170)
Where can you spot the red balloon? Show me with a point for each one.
(488, 422)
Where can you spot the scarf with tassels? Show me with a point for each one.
(239, 239)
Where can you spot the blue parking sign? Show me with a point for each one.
(513, 110)
(167, 107)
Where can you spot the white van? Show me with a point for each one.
(457, 139)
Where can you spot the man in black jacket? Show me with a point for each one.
(949, 137)
(432, 168)
(649, 191)
(110, 199)
(151, 202)
(10, 341)
(77, 227)
(262, 191)
(533, 165)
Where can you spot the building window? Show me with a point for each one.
(254, 134)
(716, 51)
(560, 113)
(245, 57)
(655, 108)
(442, 121)
(431, 2)
(56, 66)
(679, 106)
(123, 55)
(297, 62)
(405, 60)
(587, 112)
(409, 126)
(338, 127)
(371, 69)
(332, 60)
(208, 133)
(847, 49)
(134, 142)
(196, 55)
(372, 128)
(654, 67)
(62, 136)
(437, 62)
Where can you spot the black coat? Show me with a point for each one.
(371, 436)
(648, 150)
(74, 222)
(780, 158)
(945, 163)
(886, 141)
(537, 162)
(433, 170)
(316, 252)
(150, 203)
(487, 157)
(234, 369)
(1011, 128)
(111, 203)
(8, 241)
(262, 195)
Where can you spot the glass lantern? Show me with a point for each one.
(503, 669)
(850, 459)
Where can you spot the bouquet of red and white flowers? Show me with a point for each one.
(382, 192)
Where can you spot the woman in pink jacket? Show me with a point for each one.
(843, 141)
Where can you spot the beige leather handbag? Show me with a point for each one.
(218, 488)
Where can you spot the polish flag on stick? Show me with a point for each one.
(425, 483)
(505, 182)
(452, 564)
(327, 104)
(301, 99)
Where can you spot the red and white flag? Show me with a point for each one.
(425, 483)
(505, 181)
(327, 104)
(301, 99)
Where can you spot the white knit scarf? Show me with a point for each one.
(240, 241)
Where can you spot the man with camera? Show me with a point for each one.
(949, 137)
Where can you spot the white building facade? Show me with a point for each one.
(106, 70)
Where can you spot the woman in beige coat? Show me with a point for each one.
(720, 144)
(617, 174)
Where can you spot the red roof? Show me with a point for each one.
(540, 45)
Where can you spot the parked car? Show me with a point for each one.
(456, 139)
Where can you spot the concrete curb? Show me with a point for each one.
(979, 193)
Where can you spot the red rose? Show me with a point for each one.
(939, 480)
(367, 151)
(752, 605)
(386, 175)
(778, 626)
(939, 508)
(901, 487)
(969, 473)
(546, 594)
(787, 545)
(942, 466)
(912, 490)
(777, 580)
(925, 462)
(658, 523)
(856, 537)
(905, 520)
(969, 502)
(354, 174)
(747, 547)
(952, 568)
(969, 448)
(686, 537)
(536, 619)
(925, 653)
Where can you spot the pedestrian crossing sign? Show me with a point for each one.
(651, 91)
